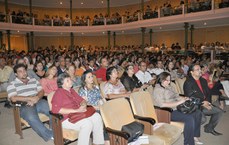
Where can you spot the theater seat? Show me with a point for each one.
(180, 83)
(116, 113)
(61, 136)
(3, 96)
(142, 106)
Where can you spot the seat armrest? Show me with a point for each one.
(164, 108)
(147, 119)
(118, 133)
(19, 103)
(57, 115)
(182, 95)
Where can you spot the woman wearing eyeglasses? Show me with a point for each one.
(165, 96)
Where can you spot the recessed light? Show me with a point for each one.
(123, 31)
(61, 33)
(82, 33)
(205, 23)
(160, 27)
(18, 31)
(61, 3)
(102, 2)
(81, 3)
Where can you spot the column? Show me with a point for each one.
(114, 37)
(142, 8)
(150, 37)
(143, 29)
(71, 9)
(186, 26)
(31, 41)
(6, 11)
(109, 39)
(8, 38)
(1, 39)
(108, 8)
(28, 41)
(30, 11)
(186, 6)
(191, 35)
(72, 40)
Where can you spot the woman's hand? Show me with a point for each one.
(82, 109)
(207, 105)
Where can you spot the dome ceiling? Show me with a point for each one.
(75, 3)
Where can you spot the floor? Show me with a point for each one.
(8, 136)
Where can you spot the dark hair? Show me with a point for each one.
(127, 67)
(162, 76)
(35, 65)
(109, 71)
(83, 77)
(191, 68)
(17, 66)
(60, 79)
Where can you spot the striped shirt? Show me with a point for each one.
(18, 88)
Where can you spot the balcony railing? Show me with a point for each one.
(207, 5)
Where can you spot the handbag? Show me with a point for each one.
(134, 129)
(189, 106)
(75, 117)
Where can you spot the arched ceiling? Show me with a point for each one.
(75, 3)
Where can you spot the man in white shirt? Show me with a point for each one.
(159, 68)
(143, 75)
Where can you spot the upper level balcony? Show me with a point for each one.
(208, 11)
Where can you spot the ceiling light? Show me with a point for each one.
(61, 3)
(18, 31)
(103, 32)
(205, 23)
(160, 27)
(102, 2)
(82, 33)
(81, 3)
(61, 33)
(123, 31)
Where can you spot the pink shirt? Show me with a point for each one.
(65, 99)
(101, 73)
(48, 85)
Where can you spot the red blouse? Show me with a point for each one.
(65, 99)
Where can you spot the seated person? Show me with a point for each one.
(130, 81)
(143, 75)
(113, 87)
(39, 69)
(18, 90)
(5, 72)
(101, 72)
(66, 101)
(49, 83)
(75, 79)
(165, 96)
(92, 95)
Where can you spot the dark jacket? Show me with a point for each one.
(191, 89)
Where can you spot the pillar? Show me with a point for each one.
(186, 6)
(150, 37)
(109, 39)
(72, 40)
(142, 7)
(32, 41)
(6, 11)
(8, 38)
(186, 26)
(143, 29)
(1, 39)
(191, 35)
(108, 8)
(28, 41)
(114, 37)
(30, 11)
(71, 9)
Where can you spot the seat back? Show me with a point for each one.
(174, 87)
(102, 84)
(116, 113)
(142, 104)
(180, 83)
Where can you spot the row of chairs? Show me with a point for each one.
(156, 121)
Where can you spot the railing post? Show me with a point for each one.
(52, 22)
(33, 21)
(88, 22)
(183, 9)
(213, 4)
(105, 21)
(122, 19)
(11, 19)
(139, 16)
(70, 22)
(159, 12)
